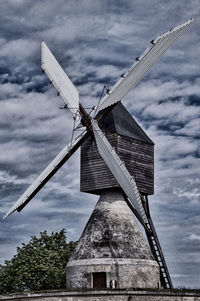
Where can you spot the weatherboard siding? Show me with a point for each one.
(138, 157)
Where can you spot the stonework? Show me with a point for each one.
(108, 295)
(112, 243)
(128, 272)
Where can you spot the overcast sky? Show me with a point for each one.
(95, 42)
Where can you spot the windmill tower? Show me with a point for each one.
(117, 164)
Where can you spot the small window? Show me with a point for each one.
(99, 280)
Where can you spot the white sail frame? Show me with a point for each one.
(60, 80)
(44, 175)
(141, 66)
(119, 170)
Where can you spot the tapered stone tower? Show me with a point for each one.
(112, 247)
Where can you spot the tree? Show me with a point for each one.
(38, 265)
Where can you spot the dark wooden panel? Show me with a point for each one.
(99, 280)
(139, 160)
(138, 157)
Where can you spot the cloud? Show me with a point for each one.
(191, 128)
(19, 49)
(194, 237)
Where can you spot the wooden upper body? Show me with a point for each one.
(133, 147)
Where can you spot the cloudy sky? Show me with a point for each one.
(95, 42)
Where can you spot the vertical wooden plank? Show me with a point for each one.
(138, 157)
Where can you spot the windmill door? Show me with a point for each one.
(99, 280)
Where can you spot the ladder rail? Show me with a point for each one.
(155, 246)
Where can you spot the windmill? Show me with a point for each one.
(117, 165)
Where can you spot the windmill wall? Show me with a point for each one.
(108, 295)
(137, 155)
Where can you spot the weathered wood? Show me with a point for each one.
(138, 157)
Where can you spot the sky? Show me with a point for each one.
(95, 42)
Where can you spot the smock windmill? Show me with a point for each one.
(117, 164)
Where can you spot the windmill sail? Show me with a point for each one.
(119, 170)
(142, 65)
(60, 80)
(49, 171)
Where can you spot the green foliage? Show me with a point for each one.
(38, 265)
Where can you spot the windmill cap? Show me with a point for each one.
(121, 122)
